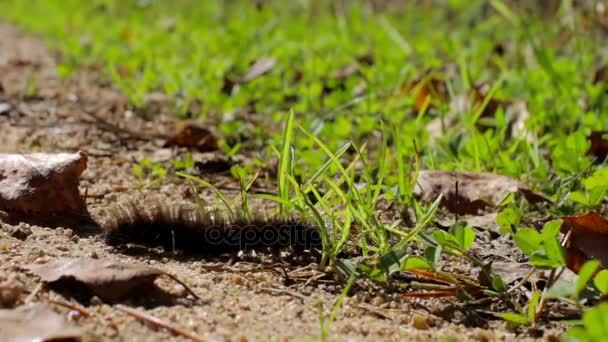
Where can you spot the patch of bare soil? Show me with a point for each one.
(242, 297)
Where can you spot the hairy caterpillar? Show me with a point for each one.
(153, 221)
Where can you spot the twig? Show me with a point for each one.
(159, 323)
(523, 281)
(285, 292)
(184, 285)
(34, 293)
(70, 306)
(314, 278)
(374, 310)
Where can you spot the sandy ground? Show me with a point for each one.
(244, 298)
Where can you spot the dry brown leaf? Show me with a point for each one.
(468, 192)
(485, 221)
(259, 68)
(493, 104)
(42, 187)
(108, 280)
(430, 88)
(599, 145)
(588, 239)
(193, 136)
(600, 74)
(38, 323)
(511, 271)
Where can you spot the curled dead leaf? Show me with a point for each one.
(599, 145)
(430, 88)
(469, 192)
(110, 281)
(192, 135)
(42, 187)
(588, 239)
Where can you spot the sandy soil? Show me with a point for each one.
(244, 299)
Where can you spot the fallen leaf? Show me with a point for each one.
(588, 239)
(42, 187)
(366, 59)
(485, 222)
(108, 280)
(599, 145)
(600, 74)
(188, 134)
(216, 165)
(469, 192)
(491, 107)
(431, 88)
(259, 68)
(36, 322)
(511, 271)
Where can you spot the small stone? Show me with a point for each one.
(237, 280)
(95, 301)
(20, 233)
(68, 233)
(180, 290)
(420, 322)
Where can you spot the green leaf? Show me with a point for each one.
(528, 240)
(465, 236)
(432, 253)
(515, 318)
(446, 239)
(551, 244)
(416, 262)
(508, 219)
(562, 288)
(498, 284)
(601, 281)
(533, 305)
(596, 322)
(286, 161)
(346, 268)
(578, 197)
(585, 274)
(391, 261)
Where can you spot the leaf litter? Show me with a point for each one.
(469, 192)
(588, 239)
(108, 280)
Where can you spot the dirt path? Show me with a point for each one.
(243, 300)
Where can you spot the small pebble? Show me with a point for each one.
(420, 322)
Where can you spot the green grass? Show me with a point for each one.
(341, 150)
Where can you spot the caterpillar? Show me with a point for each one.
(153, 222)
